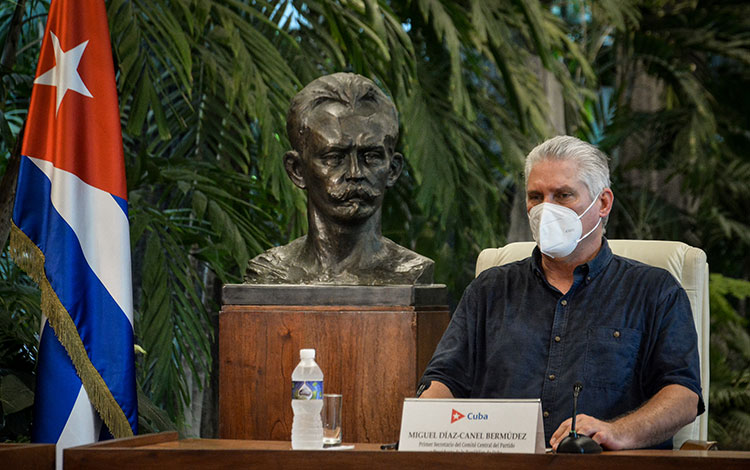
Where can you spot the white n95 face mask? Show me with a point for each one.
(557, 229)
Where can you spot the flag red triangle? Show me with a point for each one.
(455, 416)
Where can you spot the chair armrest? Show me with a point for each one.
(692, 444)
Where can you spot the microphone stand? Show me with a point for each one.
(575, 443)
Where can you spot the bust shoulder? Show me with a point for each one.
(277, 265)
(393, 264)
(406, 265)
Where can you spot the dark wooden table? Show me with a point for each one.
(165, 452)
(27, 456)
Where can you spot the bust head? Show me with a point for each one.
(343, 130)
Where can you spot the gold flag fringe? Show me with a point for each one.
(30, 258)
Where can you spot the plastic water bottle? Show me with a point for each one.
(307, 402)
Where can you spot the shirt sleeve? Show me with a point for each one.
(452, 364)
(675, 358)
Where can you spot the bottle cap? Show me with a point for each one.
(307, 354)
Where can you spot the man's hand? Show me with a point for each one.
(437, 390)
(656, 421)
(605, 434)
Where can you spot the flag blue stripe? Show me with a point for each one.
(104, 329)
(122, 203)
(57, 387)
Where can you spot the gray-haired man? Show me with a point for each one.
(573, 312)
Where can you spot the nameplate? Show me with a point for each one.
(472, 425)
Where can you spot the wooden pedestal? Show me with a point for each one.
(373, 355)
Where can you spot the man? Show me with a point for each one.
(573, 312)
(343, 130)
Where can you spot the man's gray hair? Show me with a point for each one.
(593, 167)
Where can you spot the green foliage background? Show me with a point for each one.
(204, 86)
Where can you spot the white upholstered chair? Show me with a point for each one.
(686, 263)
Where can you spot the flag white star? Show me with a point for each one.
(64, 75)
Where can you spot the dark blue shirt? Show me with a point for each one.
(624, 330)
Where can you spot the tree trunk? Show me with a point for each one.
(8, 190)
(645, 94)
(210, 412)
(202, 416)
(8, 59)
(8, 183)
(519, 223)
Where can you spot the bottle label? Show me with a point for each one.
(307, 390)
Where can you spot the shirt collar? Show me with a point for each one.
(592, 268)
(601, 260)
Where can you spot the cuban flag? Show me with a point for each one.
(70, 232)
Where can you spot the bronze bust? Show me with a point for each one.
(343, 130)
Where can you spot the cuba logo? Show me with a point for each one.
(457, 416)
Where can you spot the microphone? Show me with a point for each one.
(575, 443)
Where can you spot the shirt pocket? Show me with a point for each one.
(611, 355)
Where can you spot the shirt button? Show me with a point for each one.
(564, 303)
(557, 339)
(552, 376)
(546, 414)
(616, 334)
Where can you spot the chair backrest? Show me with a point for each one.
(686, 263)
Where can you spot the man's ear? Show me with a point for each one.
(293, 166)
(394, 170)
(608, 200)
